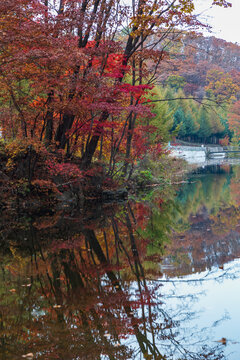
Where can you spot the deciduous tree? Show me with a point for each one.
(63, 68)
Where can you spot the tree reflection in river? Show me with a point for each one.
(208, 226)
(76, 288)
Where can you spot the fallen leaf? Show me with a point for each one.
(28, 356)
(223, 341)
(13, 290)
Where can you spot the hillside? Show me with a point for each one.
(198, 58)
(205, 70)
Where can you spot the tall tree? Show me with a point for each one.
(63, 68)
(204, 131)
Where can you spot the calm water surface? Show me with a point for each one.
(156, 278)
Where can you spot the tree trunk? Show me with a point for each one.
(49, 128)
(63, 127)
(92, 145)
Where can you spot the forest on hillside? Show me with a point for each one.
(206, 72)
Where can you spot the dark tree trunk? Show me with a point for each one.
(63, 127)
(92, 145)
(49, 128)
(128, 145)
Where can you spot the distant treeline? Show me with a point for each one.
(190, 119)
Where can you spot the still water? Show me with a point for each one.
(153, 278)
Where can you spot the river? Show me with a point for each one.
(156, 277)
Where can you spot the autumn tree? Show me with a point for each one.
(221, 85)
(234, 120)
(63, 69)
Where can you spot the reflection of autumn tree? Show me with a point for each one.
(209, 206)
(84, 294)
(210, 192)
(235, 186)
(226, 220)
(159, 221)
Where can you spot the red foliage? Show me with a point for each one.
(65, 79)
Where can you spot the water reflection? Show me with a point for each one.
(68, 294)
(90, 285)
(208, 230)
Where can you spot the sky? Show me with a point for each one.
(225, 22)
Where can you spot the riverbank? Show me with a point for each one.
(33, 179)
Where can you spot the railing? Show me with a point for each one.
(210, 152)
(231, 148)
(187, 148)
(207, 149)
